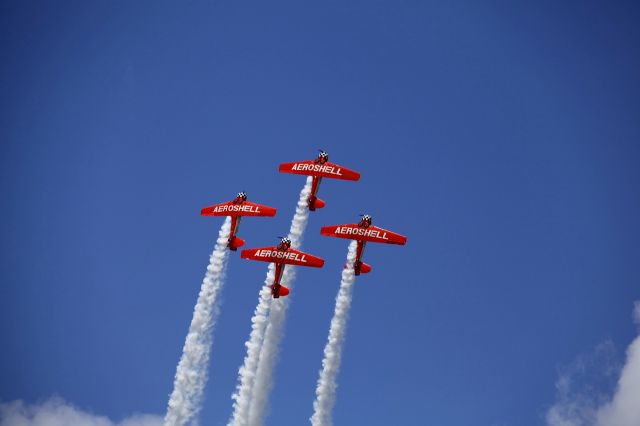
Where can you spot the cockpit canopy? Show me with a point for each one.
(365, 221)
(323, 157)
(285, 243)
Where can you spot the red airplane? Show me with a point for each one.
(281, 255)
(237, 208)
(363, 232)
(318, 168)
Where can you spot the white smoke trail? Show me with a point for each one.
(326, 388)
(191, 373)
(246, 374)
(254, 377)
(273, 335)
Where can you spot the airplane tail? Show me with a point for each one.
(363, 268)
(283, 291)
(279, 291)
(234, 243)
(315, 203)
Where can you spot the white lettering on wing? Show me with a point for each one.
(277, 254)
(364, 232)
(322, 168)
(237, 208)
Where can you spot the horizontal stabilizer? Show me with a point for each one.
(316, 203)
(282, 291)
(235, 242)
(364, 268)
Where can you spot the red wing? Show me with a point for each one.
(327, 170)
(246, 208)
(289, 257)
(372, 233)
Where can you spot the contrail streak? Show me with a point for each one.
(192, 374)
(254, 377)
(326, 388)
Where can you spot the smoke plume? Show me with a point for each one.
(254, 377)
(326, 388)
(246, 374)
(192, 371)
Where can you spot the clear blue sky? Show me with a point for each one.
(502, 139)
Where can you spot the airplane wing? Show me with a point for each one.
(327, 170)
(372, 233)
(246, 208)
(290, 256)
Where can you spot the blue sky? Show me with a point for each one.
(502, 139)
